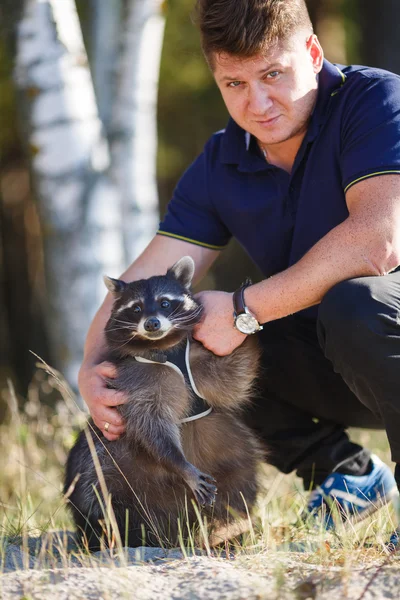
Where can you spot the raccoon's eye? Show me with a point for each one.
(165, 304)
(136, 308)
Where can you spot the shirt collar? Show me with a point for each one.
(330, 82)
(239, 148)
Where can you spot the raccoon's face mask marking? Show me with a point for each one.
(165, 314)
(147, 311)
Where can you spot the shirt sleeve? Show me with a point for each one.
(371, 130)
(191, 215)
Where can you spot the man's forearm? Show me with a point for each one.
(350, 250)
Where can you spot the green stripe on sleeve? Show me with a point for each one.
(370, 175)
(185, 239)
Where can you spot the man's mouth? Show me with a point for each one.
(268, 122)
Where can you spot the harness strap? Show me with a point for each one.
(189, 370)
(200, 402)
(198, 416)
(155, 362)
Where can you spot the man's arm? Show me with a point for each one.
(366, 243)
(159, 255)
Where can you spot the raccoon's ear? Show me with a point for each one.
(183, 271)
(115, 286)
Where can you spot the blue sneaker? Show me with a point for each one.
(393, 544)
(351, 497)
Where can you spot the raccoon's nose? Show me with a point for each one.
(152, 324)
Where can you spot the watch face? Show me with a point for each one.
(246, 323)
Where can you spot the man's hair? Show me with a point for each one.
(245, 28)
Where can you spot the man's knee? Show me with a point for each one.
(350, 309)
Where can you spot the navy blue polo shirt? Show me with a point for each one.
(231, 191)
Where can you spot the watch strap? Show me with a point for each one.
(239, 305)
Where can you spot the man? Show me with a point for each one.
(306, 177)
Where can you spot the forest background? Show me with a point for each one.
(189, 110)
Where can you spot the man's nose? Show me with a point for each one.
(259, 101)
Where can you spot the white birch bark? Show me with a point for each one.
(78, 204)
(105, 28)
(134, 123)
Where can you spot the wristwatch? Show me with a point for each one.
(244, 321)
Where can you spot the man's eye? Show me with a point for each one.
(234, 84)
(136, 309)
(273, 74)
(165, 304)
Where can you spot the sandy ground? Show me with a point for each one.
(37, 570)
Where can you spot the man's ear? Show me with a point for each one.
(316, 52)
(115, 286)
(183, 271)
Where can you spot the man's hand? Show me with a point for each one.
(216, 331)
(100, 399)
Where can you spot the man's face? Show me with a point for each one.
(272, 96)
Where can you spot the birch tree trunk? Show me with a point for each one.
(78, 204)
(134, 123)
(106, 27)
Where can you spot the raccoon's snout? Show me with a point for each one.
(154, 327)
(152, 324)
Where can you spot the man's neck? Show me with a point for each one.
(284, 154)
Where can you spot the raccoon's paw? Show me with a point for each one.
(203, 487)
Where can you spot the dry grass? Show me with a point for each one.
(34, 443)
(36, 438)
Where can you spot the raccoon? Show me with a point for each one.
(169, 463)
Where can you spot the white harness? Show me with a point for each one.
(192, 383)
